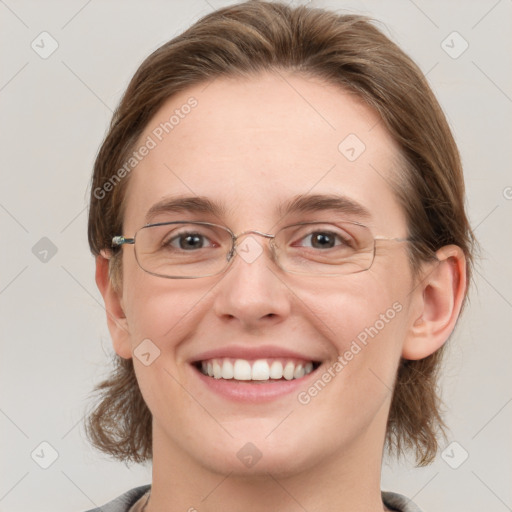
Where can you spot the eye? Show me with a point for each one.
(189, 241)
(325, 240)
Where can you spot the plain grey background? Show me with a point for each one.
(54, 341)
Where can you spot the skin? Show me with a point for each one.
(253, 144)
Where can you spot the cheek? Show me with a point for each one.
(154, 305)
(359, 306)
(365, 324)
(364, 317)
(162, 311)
(167, 314)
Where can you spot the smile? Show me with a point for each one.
(270, 369)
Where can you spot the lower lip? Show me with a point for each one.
(250, 391)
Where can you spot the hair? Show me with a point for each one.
(243, 40)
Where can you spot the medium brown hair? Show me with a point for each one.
(346, 50)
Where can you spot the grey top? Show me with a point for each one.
(394, 501)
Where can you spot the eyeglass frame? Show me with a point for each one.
(120, 240)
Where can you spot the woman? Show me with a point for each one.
(277, 215)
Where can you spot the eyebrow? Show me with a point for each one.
(298, 204)
(186, 204)
(323, 202)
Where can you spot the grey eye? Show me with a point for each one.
(324, 240)
(188, 241)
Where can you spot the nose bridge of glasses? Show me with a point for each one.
(251, 231)
(236, 238)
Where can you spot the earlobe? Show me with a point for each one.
(438, 300)
(116, 319)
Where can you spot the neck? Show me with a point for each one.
(348, 481)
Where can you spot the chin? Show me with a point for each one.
(254, 456)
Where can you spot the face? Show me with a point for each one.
(250, 147)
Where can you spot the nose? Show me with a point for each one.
(252, 291)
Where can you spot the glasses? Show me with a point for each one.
(189, 250)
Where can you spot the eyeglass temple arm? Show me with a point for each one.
(117, 241)
(408, 239)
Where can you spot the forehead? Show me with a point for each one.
(252, 144)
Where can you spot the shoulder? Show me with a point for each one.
(124, 502)
(398, 502)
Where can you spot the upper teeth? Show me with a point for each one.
(261, 369)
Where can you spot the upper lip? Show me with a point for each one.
(250, 353)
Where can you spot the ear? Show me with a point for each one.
(116, 319)
(437, 302)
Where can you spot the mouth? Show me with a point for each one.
(261, 371)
